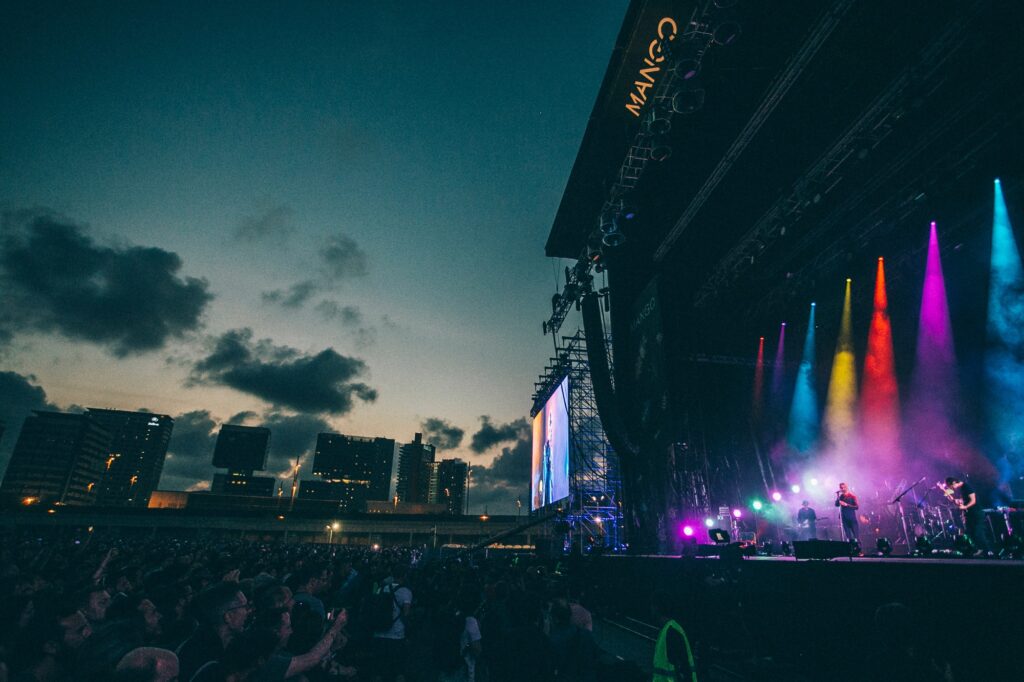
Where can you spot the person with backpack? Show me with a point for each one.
(457, 643)
(387, 613)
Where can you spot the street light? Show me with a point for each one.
(330, 532)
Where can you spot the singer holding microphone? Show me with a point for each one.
(848, 506)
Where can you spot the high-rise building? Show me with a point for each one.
(242, 450)
(448, 484)
(414, 461)
(59, 458)
(355, 460)
(243, 484)
(138, 448)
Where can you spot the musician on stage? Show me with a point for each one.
(974, 519)
(807, 519)
(848, 506)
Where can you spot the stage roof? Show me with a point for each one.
(827, 129)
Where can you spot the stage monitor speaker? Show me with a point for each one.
(820, 549)
(695, 550)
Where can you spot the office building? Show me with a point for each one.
(448, 484)
(243, 484)
(59, 458)
(241, 449)
(138, 448)
(414, 460)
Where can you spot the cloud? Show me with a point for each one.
(130, 299)
(274, 223)
(343, 258)
(18, 397)
(189, 463)
(491, 434)
(294, 296)
(351, 319)
(348, 315)
(498, 486)
(441, 434)
(190, 452)
(292, 436)
(283, 376)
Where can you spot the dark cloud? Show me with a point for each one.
(282, 376)
(294, 296)
(55, 278)
(343, 258)
(441, 434)
(18, 397)
(190, 453)
(348, 315)
(351, 319)
(497, 487)
(292, 436)
(491, 434)
(274, 223)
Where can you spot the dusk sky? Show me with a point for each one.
(330, 215)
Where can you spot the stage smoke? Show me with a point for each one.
(1004, 367)
(930, 434)
(803, 416)
(841, 402)
(880, 409)
(758, 404)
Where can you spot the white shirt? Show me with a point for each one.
(470, 634)
(403, 596)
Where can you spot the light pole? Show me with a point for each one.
(330, 532)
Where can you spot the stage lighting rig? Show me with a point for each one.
(711, 23)
(578, 283)
(688, 99)
(923, 546)
(883, 546)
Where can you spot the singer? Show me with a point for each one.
(848, 506)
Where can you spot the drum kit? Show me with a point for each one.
(935, 520)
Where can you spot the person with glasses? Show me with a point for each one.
(222, 611)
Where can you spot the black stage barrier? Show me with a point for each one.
(781, 619)
(821, 549)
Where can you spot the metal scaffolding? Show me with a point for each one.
(593, 509)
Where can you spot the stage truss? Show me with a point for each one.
(593, 509)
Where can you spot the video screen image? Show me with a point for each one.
(549, 471)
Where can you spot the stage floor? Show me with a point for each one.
(893, 559)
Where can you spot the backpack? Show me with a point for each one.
(381, 609)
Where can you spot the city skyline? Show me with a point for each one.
(290, 222)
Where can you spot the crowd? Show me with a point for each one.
(165, 609)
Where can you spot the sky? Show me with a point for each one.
(316, 216)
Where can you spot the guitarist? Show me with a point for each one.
(973, 518)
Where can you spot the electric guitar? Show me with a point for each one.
(948, 493)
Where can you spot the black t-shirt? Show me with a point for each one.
(848, 512)
(966, 490)
(806, 514)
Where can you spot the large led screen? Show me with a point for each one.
(549, 471)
